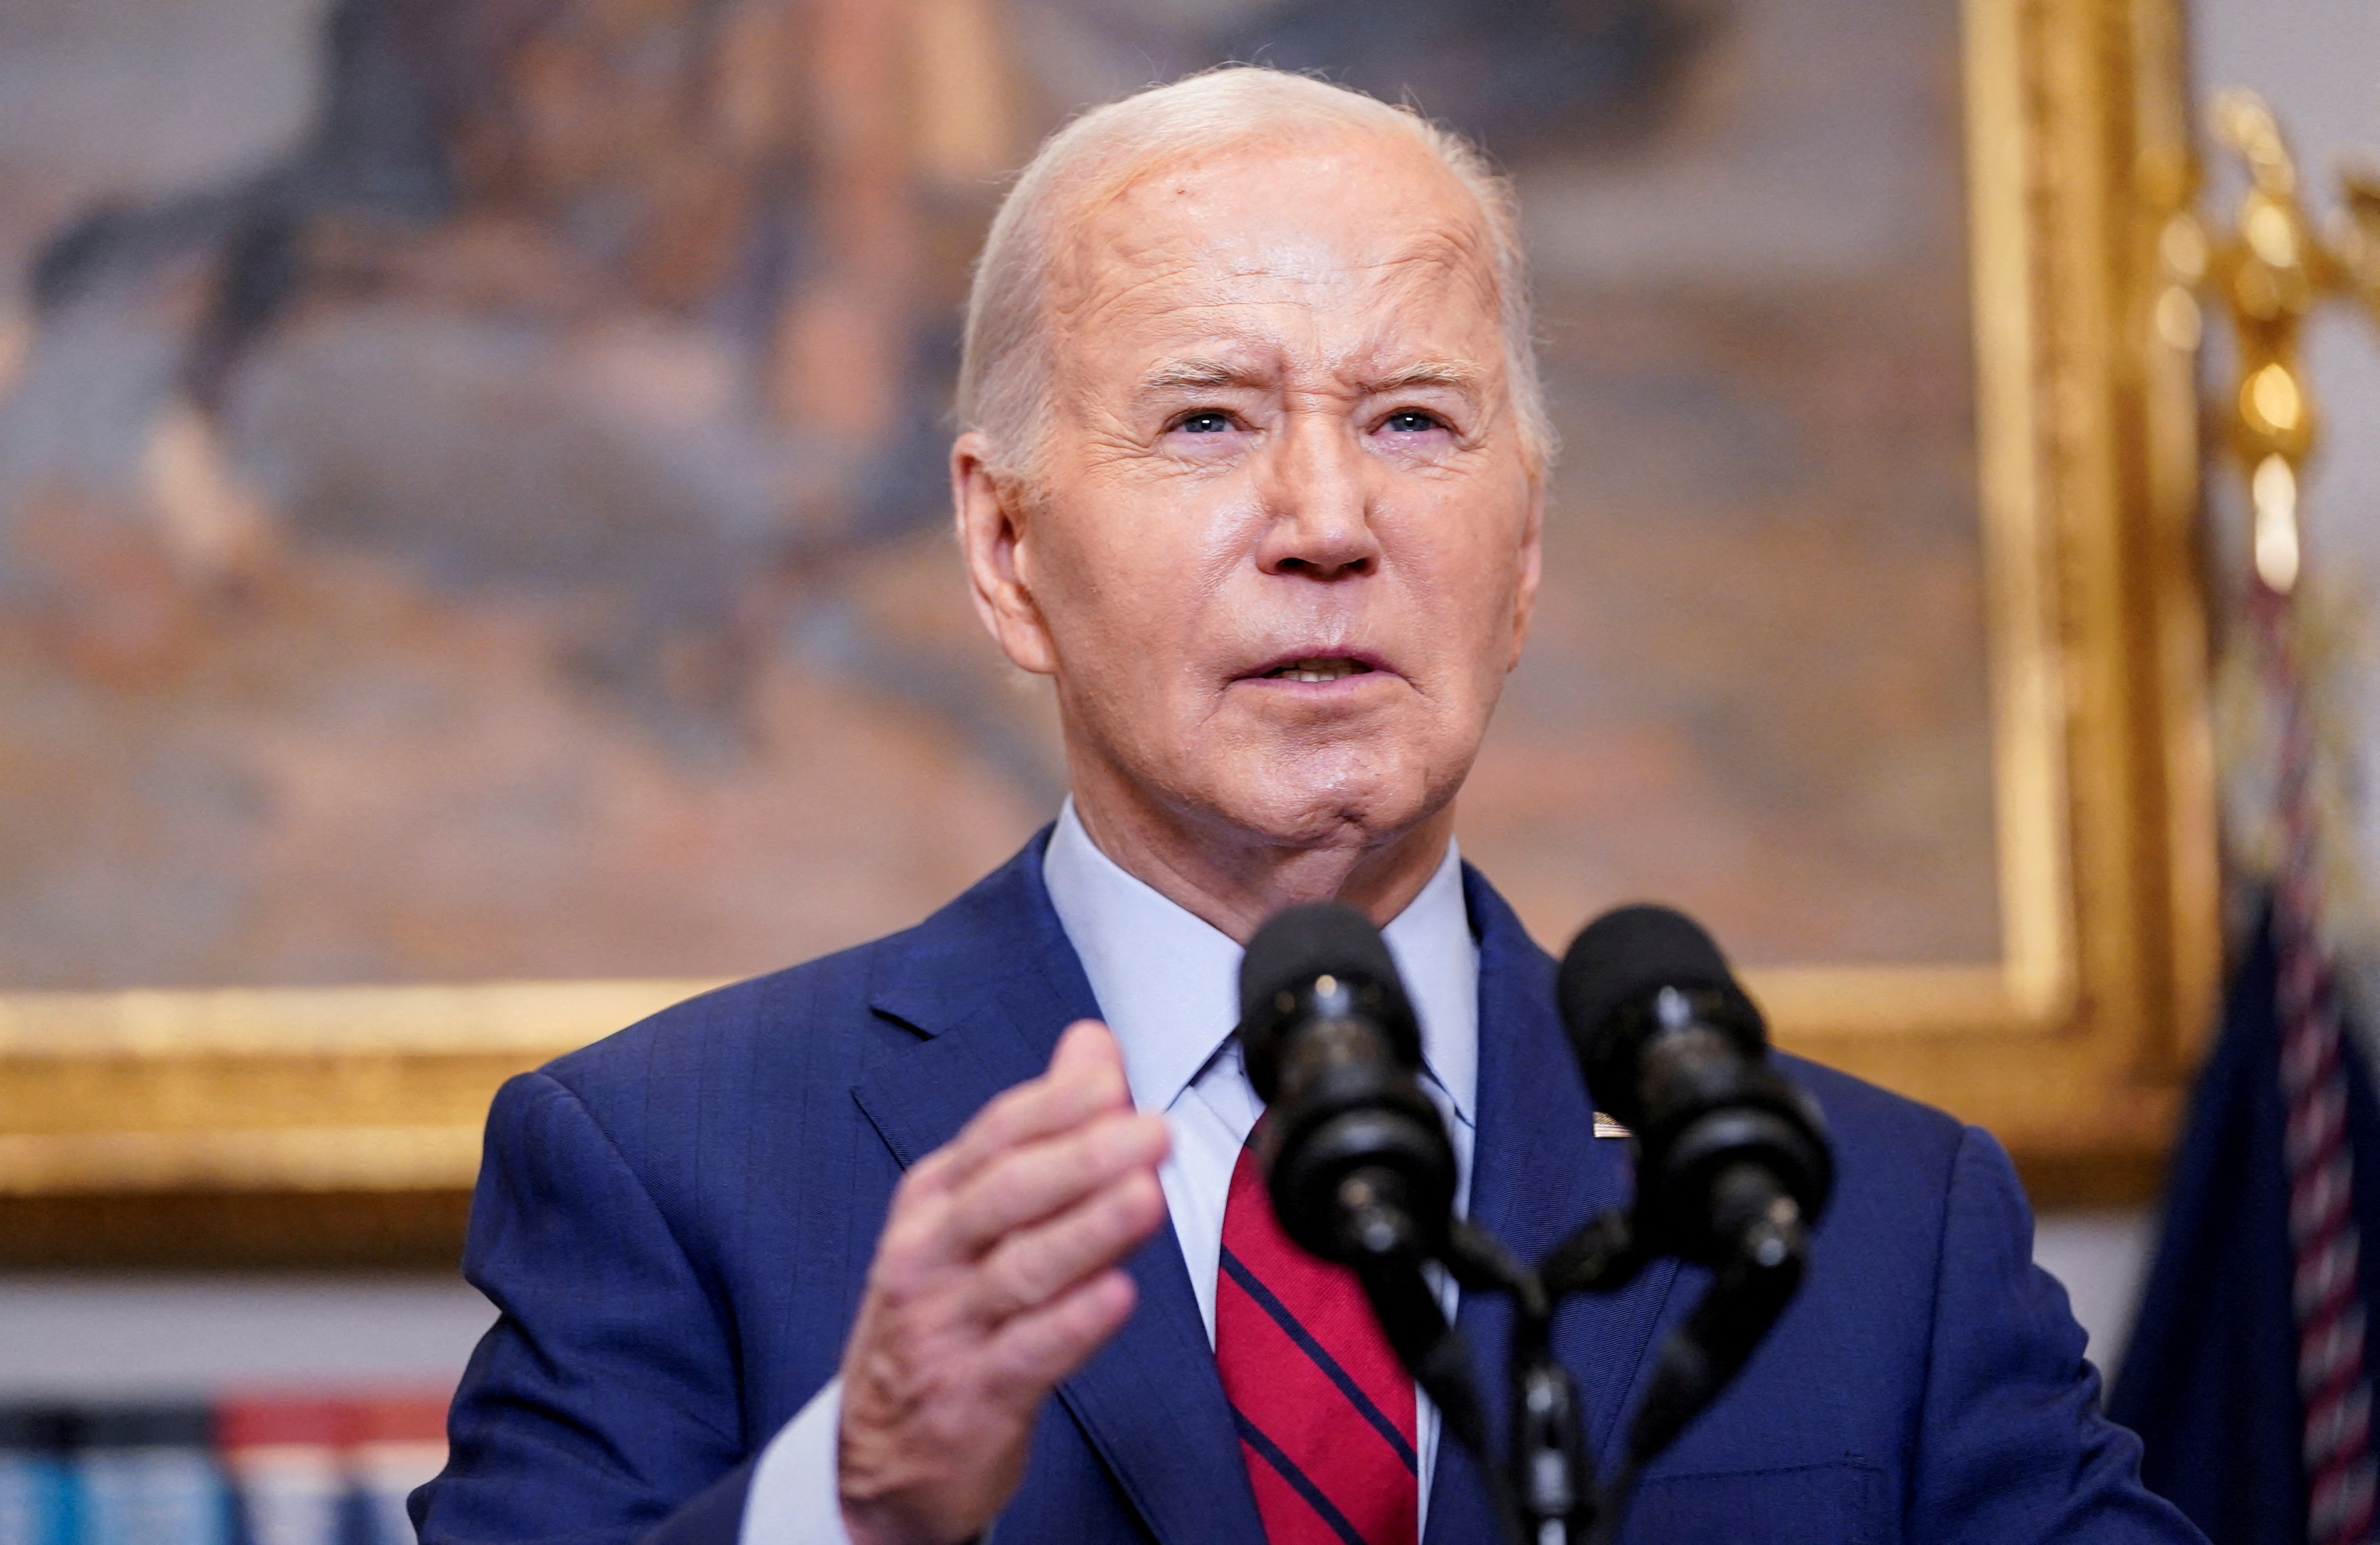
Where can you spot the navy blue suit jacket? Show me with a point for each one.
(675, 1224)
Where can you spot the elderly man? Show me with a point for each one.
(1254, 472)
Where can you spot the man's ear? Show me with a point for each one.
(992, 509)
(1524, 592)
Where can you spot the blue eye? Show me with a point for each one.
(1205, 424)
(1411, 421)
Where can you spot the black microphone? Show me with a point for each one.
(1733, 1164)
(1357, 1156)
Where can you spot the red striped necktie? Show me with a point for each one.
(1325, 1410)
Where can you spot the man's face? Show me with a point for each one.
(1282, 543)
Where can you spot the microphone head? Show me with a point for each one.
(1620, 962)
(1300, 945)
(1356, 1159)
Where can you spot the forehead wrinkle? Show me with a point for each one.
(1454, 254)
(1135, 224)
(1349, 369)
(1417, 258)
(1184, 291)
(1237, 357)
(1082, 293)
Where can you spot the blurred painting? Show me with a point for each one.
(472, 499)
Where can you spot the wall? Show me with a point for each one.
(107, 1337)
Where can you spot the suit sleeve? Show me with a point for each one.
(602, 1407)
(2011, 1446)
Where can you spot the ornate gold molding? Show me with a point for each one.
(353, 1089)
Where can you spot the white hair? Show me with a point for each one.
(1004, 370)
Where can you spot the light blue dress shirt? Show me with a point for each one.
(1167, 983)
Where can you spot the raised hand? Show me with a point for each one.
(996, 1276)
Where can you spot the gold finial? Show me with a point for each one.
(2268, 271)
(2242, 120)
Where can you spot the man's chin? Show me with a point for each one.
(1279, 808)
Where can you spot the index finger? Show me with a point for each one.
(1085, 1081)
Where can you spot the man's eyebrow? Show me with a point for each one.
(1451, 374)
(1195, 375)
(1211, 374)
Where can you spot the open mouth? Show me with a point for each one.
(1319, 668)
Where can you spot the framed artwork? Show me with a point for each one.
(472, 566)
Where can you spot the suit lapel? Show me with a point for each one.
(987, 983)
(1537, 1173)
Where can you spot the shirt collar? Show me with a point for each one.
(1167, 981)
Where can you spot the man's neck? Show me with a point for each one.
(1236, 879)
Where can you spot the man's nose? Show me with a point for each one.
(1316, 503)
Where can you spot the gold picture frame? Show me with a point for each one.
(2075, 1049)
(319, 1125)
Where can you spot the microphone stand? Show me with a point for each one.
(1547, 1493)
